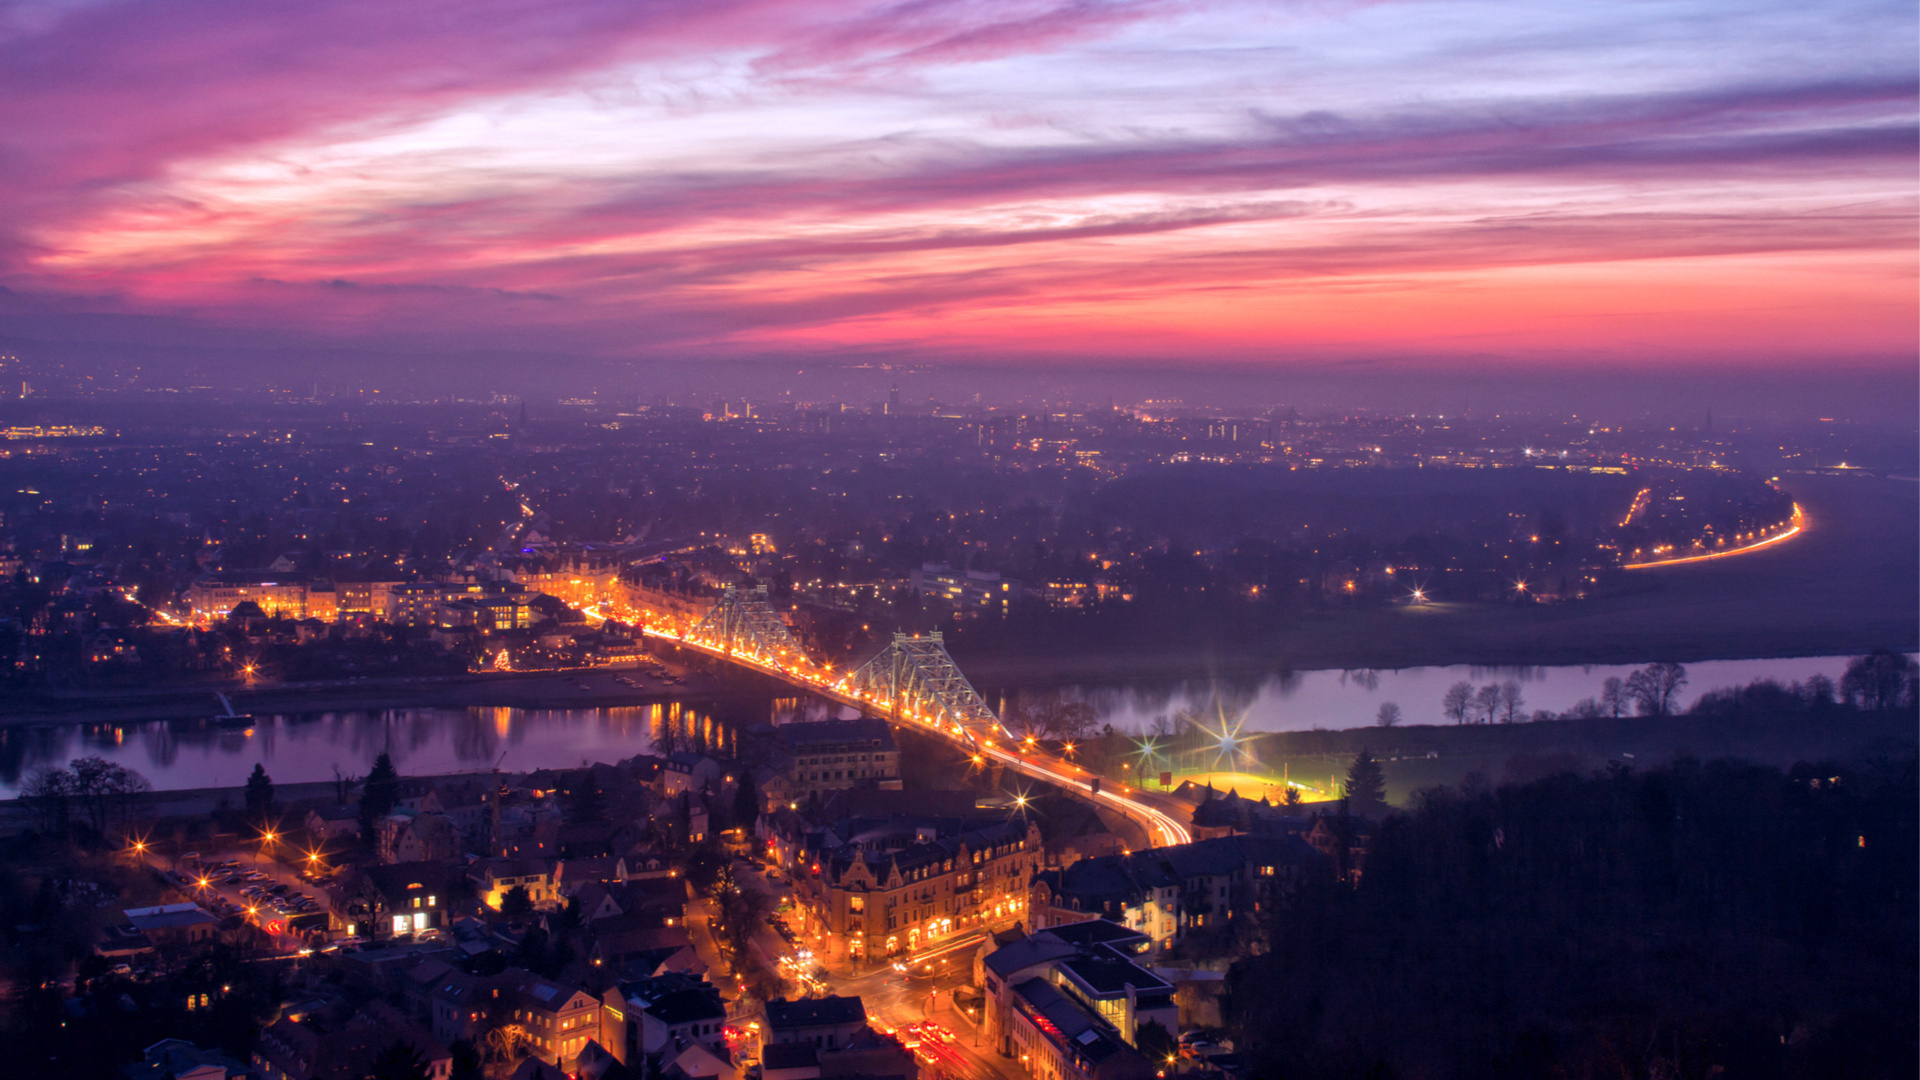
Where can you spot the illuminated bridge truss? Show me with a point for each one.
(915, 679)
(741, 623)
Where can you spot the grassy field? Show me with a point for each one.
(1422, 756)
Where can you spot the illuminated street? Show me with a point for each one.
(979, 739)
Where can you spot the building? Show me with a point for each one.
(371, 598)
(407, 836)
(1070, 1003)
(178, 1059)
(173, 924)
(1170, 893)
(661, 1016)
(214, 595)
(831, 755)
(825, 1023)
(964, 590)
(693, 772)
(457, 1006)
(312, 1050)
(890, 887)
(493, 879)
(381, 902)
(555, 1022)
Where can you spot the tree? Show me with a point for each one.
(704, 865)
(49, 794)
(1388, 716)
(1486, 703)
(1456, 701)
(259, 793)
(516, 902)
(1614, 696)
(1154, 1042)
(400, 1061)
(1292, 798)
(466, 1064)
(378, 795)
(104, 789)
(1366, 784)
(1876, 681)
(1654, 687)
(1510, 701)
(1820, 691)
(342, 784)
(746, 801)
(584, 803)
(1586, 709)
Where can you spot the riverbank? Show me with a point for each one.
(586, 688)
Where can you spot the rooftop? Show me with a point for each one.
(1105, 971)
(865, 730)
(815, 1012)
(167, 917)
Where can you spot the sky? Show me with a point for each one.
(1443, 185)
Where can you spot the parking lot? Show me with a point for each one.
(273, 897)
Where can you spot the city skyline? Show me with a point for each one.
(1434, 189)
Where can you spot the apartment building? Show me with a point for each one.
(215, 595)
(891, 887)
(834, 755)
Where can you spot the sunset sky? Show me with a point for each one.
(1435, 182)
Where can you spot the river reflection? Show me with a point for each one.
(302, 747)
(1304, 700)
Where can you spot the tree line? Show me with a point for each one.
(91, 791)
(1879, 681)
(1626, 923)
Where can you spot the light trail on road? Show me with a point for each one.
(1799, 525)
(818, 680)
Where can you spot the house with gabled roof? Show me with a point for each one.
(557, 1021)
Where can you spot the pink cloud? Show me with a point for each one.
(1244, 240)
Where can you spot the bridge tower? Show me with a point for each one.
(915, 680)
(741, 623)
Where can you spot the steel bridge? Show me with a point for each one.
(912, 682)
(915, 679)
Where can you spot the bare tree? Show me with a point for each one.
(1510, 701)
(105, 789)
(1877, 680)
(1654, 688)
(1614, 696)
(1486, 703)
(1456, 701)
(49, 793)
(1049, 717)
(1388, 716)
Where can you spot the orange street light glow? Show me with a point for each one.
(1798, 525)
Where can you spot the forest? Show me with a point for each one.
(1693, 921)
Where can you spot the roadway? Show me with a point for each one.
(1796, 525)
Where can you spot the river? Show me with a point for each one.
(306, 747)
(1307, 700)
